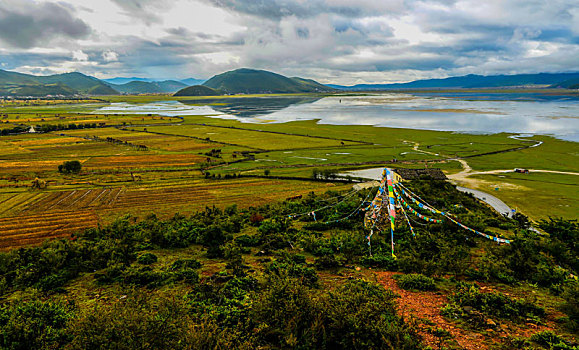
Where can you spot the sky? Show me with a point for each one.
(333, 41)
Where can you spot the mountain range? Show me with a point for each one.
(18, 84)
(252, 81)
(472, 81)
(152, 87)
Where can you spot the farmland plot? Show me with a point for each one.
(21, 231)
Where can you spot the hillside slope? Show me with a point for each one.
(251, 81)
(198, 90)
(153, 87)
(18, 84)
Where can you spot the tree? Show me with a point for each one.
(70, 167)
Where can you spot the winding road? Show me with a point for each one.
(491, 200)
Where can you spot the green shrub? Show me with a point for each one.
(291, 268)
(35, 324)
(469, 303)
(247, 240)
(362, 315)
(550, 340)
(328, 262)
(185, 264)
(140, 321)
(70, 167)
(147, 259)
(383, 261)
(415, 281)
(571, 306)
(357, 315)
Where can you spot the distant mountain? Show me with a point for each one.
(251, 81)
(192, 81)
(137, 87)
(18, 84)
(198, 90)
(472, 82)
(120, 80)
(143, 87)
(171, 86)
(567, 84)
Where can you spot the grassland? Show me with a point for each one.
(541, 194)
(140, 164)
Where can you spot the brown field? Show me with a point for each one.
(29, 218)
(25, 230)
(142, 161)
(153, 141)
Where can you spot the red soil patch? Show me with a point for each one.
(426, 306)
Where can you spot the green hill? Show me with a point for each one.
(79, 82)
(198, 90)
(251, 81)
(36, 90)
(7, 78)
(18, 84)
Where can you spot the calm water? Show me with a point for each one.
(461, 112)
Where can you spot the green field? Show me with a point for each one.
(538, 195)
(147, 163)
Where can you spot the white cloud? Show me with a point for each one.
(78, 55)
(110, 56)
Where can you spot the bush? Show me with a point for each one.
(357, 315)
(147, 259)
(362, 315)
(213, 238)
(137, 322)
(469, 303)
(550, 340)
(292, 268)
(327, 262)
(416, 281)
(571, 306)
(35, 325)
(70, 167)
(383, 261)
(185, 264)
(247, 240)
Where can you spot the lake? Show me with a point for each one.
(529, 113)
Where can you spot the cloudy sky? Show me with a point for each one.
(341, 41)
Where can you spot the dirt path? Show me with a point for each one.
(466, 172)
(426, 306)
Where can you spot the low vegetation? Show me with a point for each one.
(70, 167)
(416, 281)
(230, 278)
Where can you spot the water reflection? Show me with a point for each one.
(251, 107)
(461, 112)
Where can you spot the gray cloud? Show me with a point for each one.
(276, 9)
(145, 10)
(344, 41)
(29, 24)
